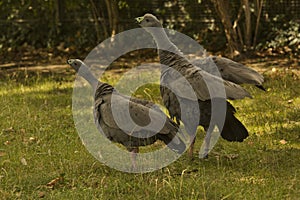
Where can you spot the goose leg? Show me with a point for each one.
(203, 153)
(191, 148)
(207, 142)
(211, 138)
(134, 152)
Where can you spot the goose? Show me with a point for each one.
(142, 113)
(172, 59)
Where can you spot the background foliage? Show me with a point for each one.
(73, 25)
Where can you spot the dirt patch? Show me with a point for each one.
(124, 63)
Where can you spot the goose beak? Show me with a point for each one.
(139, 19)
(70, 61)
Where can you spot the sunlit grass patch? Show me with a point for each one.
(41, 154)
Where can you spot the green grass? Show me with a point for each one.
(39, 143)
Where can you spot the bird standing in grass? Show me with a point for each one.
(142, 113)
(230, 128)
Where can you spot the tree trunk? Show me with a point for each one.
(102, 20)
(112, 11)
(59, 15)
(223, 10)
(115, 17)
(248, 32)
(259, 5)
(96, 22)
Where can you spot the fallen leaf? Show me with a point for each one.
(283, 141)
(41, 194)
(23, 161)
(290, 101)
(10, 129)
(2, 153)
(53, 182)
(18, 194)
(231, 156)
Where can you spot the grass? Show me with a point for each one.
(41, 155)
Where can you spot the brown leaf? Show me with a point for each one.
(283, 141)
(22, 130)
(10, 129)
(23, 161)
(290, 101)
(2, 153)
(41, 194)
(52, 183)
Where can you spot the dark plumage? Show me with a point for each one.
(135, 136)
(232, 129)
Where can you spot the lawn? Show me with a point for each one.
(42, 156)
